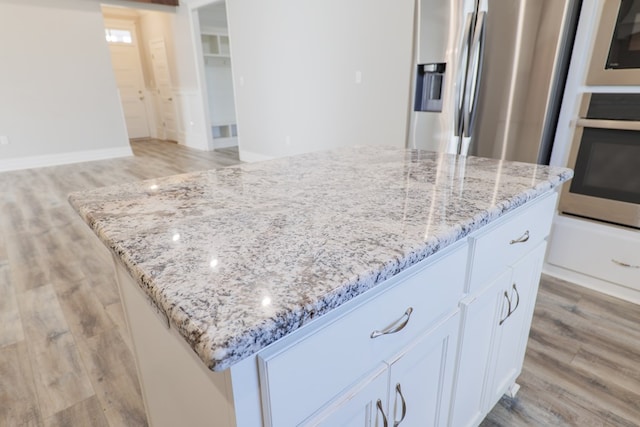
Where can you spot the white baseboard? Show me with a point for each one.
(63, 158)
(224, 142)
(592, 283)
(250, 157)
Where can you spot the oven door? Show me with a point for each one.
(616, 50)
(605, 156)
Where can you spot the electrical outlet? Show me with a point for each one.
(4, 140)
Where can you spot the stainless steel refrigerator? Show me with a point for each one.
(489, 76)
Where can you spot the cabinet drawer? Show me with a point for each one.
(298, 378)
(602, 251)
(509, 240)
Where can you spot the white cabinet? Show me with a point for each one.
(414, 351)
(421, 378)
(601, 256)
(480, 314)
(497, 313)
(362, 406)
(379, 330)
(512, 328)
(215, 45)
(411, 389)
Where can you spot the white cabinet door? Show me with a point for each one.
(421, 378)
(512, 334)
(364, 405)
(479, 313)
(414, 389)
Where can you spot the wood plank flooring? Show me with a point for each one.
(65, 353)
(582, 365)
(66, 356)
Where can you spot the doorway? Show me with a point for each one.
(137, 40)
(127, 69)
(164, 90)
(210, 22)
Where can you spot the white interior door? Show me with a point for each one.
(164, 88)
(127, 68)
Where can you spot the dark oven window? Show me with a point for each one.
(625, 44)
(608, 165)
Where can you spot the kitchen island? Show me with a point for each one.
(363, 285)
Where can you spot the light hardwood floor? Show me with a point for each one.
(582, 365)
(65, 354)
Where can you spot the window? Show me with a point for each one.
(118, 36)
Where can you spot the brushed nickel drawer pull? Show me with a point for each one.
(404, 406)
(521, 239)
(624, 264)
(384, 417)
(396, 326)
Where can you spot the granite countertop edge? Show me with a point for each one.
(253, 340)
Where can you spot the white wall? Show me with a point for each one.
(295, 64)
(220, 91)
(58, 96)
(213, 15)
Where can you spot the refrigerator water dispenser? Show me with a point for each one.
(429, 86)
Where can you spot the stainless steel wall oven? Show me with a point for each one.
(605, 155)
(616, 52)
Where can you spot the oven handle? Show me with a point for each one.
(608, 124)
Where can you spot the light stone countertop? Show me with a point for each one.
(239, 257)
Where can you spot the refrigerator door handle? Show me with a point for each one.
(474, 75)
(461, 75)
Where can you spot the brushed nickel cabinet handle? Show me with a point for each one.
(517, 300)
(384, 417)
(396, 326)
(506, 296)
(521, 239)
(624, 264)
(404, 406)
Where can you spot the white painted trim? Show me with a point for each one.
(203, 99)
(250, 157)
(575, 82)
(593, 283)
(63, 158)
